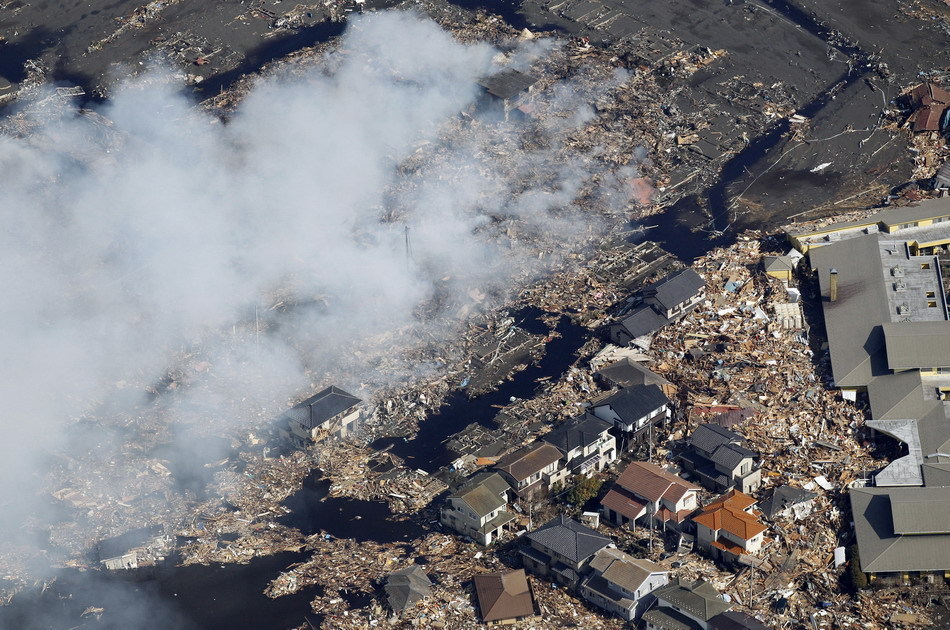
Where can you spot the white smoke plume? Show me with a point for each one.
(152, 235)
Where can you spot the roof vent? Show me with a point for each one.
(897, 272)
(871, 229)
(900, 286)
(903, 309)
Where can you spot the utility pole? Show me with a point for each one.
(408, 249)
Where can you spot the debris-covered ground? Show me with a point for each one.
(669, 112)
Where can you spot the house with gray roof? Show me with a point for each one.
(561, 550)
(532, 469)
(406, 587)
(902, 530)
(331, 413)
(684, 606)
(719, 459)
(585, 444)
(660, 304)
(622, 584)
(736, 620)
(633, 411)
(479, 509)
(629, 373)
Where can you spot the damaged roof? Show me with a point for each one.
(627, 373)
(507, 83)
(407, 586)
(653, 483)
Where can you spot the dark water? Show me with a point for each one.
(427, 449)
(166, 598)
(311, 512)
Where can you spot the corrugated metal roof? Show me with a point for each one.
(881, 549)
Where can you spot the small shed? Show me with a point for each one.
(780, 267)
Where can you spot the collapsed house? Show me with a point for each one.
(406, 587)
(135, 548)
(509, 88)
(930, 104)
(329, 413)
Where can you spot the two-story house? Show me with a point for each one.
(479, 509)
(720, 460)
(729, 527)
(561, 550)
(659, 304)
(585, 444)
(632, 411)
(330, 413)
(533, 469)
(645, 492)
(621, 584)
(680, 606)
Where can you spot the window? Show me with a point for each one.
(931, 294)
(925, 265)
(932, 303)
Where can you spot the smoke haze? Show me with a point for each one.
(254, 256)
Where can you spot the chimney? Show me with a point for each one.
(833, 287)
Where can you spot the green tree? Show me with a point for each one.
(584, 490)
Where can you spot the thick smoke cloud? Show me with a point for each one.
(260, 252)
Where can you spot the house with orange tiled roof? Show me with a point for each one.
(644, 491)
(729, 527)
